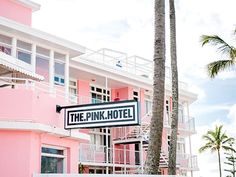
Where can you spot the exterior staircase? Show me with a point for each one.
(138, 134)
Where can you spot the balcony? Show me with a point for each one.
(122, 63)
(90, 154)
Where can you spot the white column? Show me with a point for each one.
(13, 43)
(141, 155)
(67, 77)
(51, 71)
(33, 58)
(113, 157)
(189, 138)
(107, 148)
(125, 163)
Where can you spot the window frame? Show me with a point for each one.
(64, 156)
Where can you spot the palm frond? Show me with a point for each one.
(208, 138)
(222, 46)
(204, 148)
(228, 148)
(228, 140)
(215, 67)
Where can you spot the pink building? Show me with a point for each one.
(39, 71)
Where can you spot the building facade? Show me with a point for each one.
(39, 71)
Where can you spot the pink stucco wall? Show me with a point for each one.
(84, 96)
(17, 157)
(14, 11)
(125, 93)
(20, 152)
(34, 108)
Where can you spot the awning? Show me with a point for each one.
(10, 65)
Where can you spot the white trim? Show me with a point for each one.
(31, 126)
(27, 3)
(40, 37)
(19, 66)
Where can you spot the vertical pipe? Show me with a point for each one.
(189, 138)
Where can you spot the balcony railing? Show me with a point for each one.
(97, 154)
(120, 61)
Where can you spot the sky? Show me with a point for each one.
(127, 26)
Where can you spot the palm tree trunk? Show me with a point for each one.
(218, 152)
(156, 125)
(175, 96)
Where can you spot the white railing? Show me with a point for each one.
(119, 61)
(102, 175)
(91, 153)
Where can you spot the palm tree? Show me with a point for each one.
(156, 125)
(224, 48)
(215, 141)
(175, 96)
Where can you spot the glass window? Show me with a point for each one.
(59, 73)
(52, 160)
(52, 151)
(42, 67)
(59, 56)
(5, 39)
(24, 51)
(99, 95)
(24, 56)
(148, 106)
(6, 50)
(59, 69)
(23, 45)
(42, 51)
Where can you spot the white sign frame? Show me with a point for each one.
(111, 114)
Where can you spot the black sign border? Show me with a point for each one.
(106, 103)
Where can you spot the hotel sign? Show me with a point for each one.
(121, 113)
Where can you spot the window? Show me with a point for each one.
(73, 90)
(98, 138)
(99, 94)
(148, 106)
(5, 44)
(42, 66)
(59, 77)
(42, 62)
(24, 51)
(52, 160)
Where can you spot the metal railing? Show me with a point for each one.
(97, 154)
(120, 61)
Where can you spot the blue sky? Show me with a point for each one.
(127, 26)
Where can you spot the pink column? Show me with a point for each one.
(83, 88)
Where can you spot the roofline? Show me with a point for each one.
(72, 47)
(34, 6)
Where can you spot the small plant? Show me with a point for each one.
(81, 168)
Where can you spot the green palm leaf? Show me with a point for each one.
(215, 141)
(222, 46)
(215, 67)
